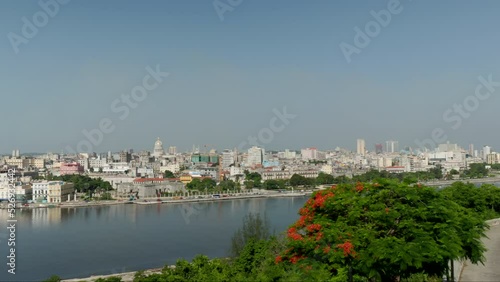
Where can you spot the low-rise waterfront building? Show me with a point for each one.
(150, 187)
(60, 191)
(22, 192)
(52, 191)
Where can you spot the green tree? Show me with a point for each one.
(227, 185)
(384, 231)
(254, 179)
(483, 200)
(272, 184)
(299, 180)
(436, 172)
(106, 196)
(208, 183)
(476, 171)
(254, 228)
(168, 174)
(324, 178)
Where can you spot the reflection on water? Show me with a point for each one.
(79, 242)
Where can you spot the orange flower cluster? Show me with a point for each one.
(359, 187)
(319, 236)
(326, 249)
(278, 259)
(314, 227)
(348, 248)
(301, 222)
(296, 258)
(292, 234)
(319, 199)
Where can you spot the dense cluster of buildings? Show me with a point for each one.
(142, 173)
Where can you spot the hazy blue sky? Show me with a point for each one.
(226, 77)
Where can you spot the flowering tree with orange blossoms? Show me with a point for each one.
(383, 231)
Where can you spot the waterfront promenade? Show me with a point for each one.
(443, 183)
(164, 200)
(125, 277)
(490, 271)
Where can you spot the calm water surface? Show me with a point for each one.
(80, 242)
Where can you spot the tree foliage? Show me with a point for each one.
(254, 228)
(483, 200)
(299, 180)
(384, 231)
(252, 180)
(227, 185)
(201, 184)
(168, 174)
(324, 178)
(83, 183)
(476, 171)
(272, 184)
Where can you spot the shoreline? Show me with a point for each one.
(152, 201)
(125, 276)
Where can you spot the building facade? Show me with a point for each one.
(59, 191)
(71, 168)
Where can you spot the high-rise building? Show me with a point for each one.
(228, 158)
(15, 154)
(447, 147)
(309, 154)
(486, 152)
(361, 148)
(125, 157)
(255, 156)
(172, 150)
(379, 148)
(392, 146)
(471, 150)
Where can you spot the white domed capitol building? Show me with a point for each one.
(158, 149)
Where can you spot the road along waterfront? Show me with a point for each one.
(490, 271)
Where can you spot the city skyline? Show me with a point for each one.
(355, 148)
(226, 78)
